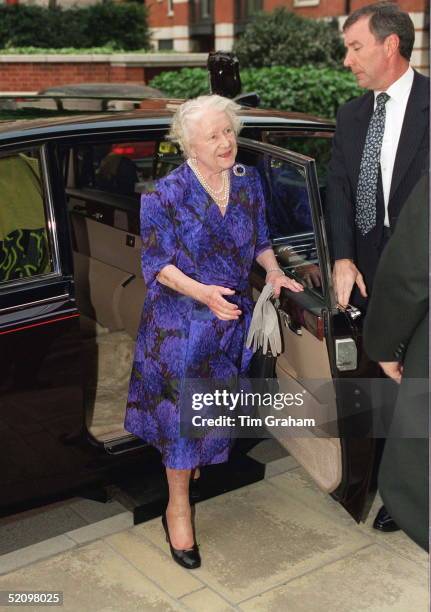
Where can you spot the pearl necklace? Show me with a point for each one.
(220, 196)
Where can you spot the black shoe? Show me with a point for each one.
(189, 558)
(384, 522)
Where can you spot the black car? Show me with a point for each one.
(71, 294)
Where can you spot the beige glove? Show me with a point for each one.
(264, 326)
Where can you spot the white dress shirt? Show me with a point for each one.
(399, 93)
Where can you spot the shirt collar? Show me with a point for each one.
(400, 90)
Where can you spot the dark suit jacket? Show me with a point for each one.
(396, 329)
(348, 144)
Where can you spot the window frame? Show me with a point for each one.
(308, 166)
(50, 220)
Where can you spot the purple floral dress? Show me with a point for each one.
(178, 336)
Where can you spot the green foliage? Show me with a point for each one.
(282, 38)
(316, 91)
(106, 49)
(184, 83)
(121, 26)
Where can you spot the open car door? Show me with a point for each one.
(320, 341)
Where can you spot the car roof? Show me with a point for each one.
(104, 89)
(153, 113)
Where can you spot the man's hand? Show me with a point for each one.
(393, 369)
(345, 274)
(311, 275)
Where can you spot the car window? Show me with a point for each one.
(26, 238)
(124, 168)
(316, 145)
(290, 220)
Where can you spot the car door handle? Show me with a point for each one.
(353, 312)
(288, 322)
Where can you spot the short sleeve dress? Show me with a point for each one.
(178, 336)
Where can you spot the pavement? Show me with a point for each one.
(276, 545)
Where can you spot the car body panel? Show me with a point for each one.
(98, 240)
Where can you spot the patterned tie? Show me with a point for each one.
(368, 174)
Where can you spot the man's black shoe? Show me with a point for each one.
(384, 522)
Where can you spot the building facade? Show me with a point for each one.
(206, 25)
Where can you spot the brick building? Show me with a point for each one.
(205, 25)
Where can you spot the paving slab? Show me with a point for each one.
(369, 580)
(37, 525)
(93, 578)
(92, 511)
(257, 537)
(119, 522)
(299, 484)
(30, 554)
(154, 563)
(206, 600)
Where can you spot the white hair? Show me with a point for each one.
(195, 108)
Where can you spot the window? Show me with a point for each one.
(289, 215)
(244, 9)
(105, 180)
(115, 167)
(124, 168)
(205, 9)
(299, 3)
(166, 44)
(170, 8)
(316, 145)
(27, 247)
(253, 6)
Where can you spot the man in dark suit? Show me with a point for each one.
(396, 335)
(380, 150)
(379, 39)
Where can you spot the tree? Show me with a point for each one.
(282, 38)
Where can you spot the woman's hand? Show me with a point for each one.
(278, 280)
(213, 298)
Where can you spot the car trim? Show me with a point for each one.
(24, 327)
(56, 298)
(51, 221)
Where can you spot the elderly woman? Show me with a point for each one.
(202, 228)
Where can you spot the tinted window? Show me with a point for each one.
(290, 220)
(316, 145)
(124, 168)
(25, 242)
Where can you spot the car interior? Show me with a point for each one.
(104, 185)
(24, 247)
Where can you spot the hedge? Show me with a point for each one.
(316, 91)
(119, 25)
(282, 38)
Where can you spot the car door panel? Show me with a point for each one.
(310, 323)
(40, 381)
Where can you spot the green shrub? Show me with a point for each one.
(282, 38)
(316, 91)
(105, 50)
(122, 26)
(184, 83)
